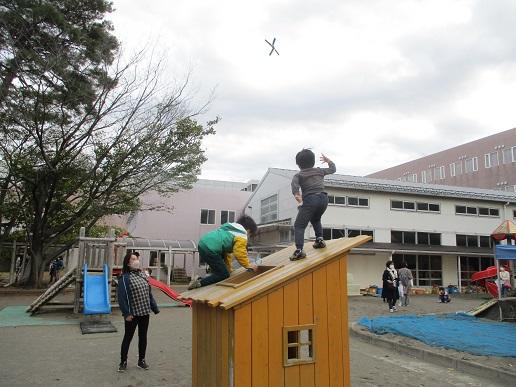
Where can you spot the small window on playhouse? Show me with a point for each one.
(298, 345)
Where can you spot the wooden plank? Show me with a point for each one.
(275, 317)
(343, 271)
(195, 343)
(320, 306)
(259, 343)
(291, 317)
(223, 359)
(334, 324)
(212, 346)
(242, 346)
(306, 371)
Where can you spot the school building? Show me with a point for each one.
(489, 162)
(442, 232)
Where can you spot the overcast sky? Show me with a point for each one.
(371, 84)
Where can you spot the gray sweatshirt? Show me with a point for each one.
(311, 180)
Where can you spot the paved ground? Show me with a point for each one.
(61, 356)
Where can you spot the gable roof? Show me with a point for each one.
(400, 187)
(227, 297)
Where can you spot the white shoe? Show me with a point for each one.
(194, 283)
(391, 310)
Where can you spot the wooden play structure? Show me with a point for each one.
(286, 325)
(102, 256)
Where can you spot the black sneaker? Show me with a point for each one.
(142, 364)
(319, 243)
(298, 254)
(122, 366)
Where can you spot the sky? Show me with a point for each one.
(371, 84)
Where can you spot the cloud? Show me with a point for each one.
(373, 84)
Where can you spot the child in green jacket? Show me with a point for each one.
(217, 247)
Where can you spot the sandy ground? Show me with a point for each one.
(62, 356)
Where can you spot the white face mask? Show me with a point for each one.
(391, 267)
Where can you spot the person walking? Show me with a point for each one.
(136, 302)
(406, 280)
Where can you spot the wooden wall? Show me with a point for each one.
(211, 346)
(318, 297)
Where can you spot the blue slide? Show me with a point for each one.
(96, 292)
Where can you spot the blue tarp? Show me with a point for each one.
(505, 252)
(456, 331)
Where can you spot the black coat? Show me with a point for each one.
(390, 290)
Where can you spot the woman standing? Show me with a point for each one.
(136, 302)
(390, 285)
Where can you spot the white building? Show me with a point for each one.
(442, 232)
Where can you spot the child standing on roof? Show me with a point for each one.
(308, 189)
(217, 247)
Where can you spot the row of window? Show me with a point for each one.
(269, 207)
(336, 233)
(208, 216)
(492, 159)
(351, 201)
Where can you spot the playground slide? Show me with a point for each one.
(96, 292)
(492, 289)
(490, 272)
(168, 291)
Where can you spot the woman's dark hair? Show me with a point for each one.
(404, 264)
(305, 159)
(248, 223)
(125, 264)
(388, 263)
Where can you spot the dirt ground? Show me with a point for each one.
(60, 355)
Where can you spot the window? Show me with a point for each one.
(227, 216)
(509, 155)
(473, 240)
(333, 233)
(356, 232)
(458, 168)
(480, 211)
(442, 172)
(491, 159)
(298, 344)
(514, 213)
(415, 206)
(426, 269)
(269, 209)
(403, 237)
(471, 165)
(452, 169)
(423, 176)
(351, 201)
(207, 216)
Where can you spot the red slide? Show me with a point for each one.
(492, 289)
(481, 277)
(168, 291)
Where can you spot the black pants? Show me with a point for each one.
(311, 210)
(219, 270)
(130, 326)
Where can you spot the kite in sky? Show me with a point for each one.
(273, 49)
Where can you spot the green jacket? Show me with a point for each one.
(229, 239)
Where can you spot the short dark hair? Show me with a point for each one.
(125, 264)
(388, 263)
(404, 264)
(248, 223)
(305, 159)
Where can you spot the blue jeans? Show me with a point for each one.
(311, 210)
(219, 270)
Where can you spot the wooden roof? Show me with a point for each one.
(226, 297)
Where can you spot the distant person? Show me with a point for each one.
(444, 297)
(18, 267)
(136, 302)
(53, 271)
(390, 285)
(505, 281)
(406, 280)
(217, 247)
(308, 190)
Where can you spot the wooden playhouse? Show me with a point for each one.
(286, 325)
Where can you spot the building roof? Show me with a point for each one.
(159, 244)
(227, 297)
(401, 187)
